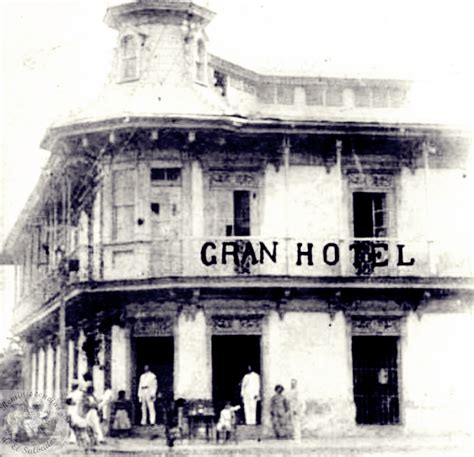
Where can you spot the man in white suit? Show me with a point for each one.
(250, 393)
(147, 388)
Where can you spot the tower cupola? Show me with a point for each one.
(159, 40)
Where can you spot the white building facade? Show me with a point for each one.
(201, 217)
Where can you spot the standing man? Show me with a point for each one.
(147, 388)
(250, 393)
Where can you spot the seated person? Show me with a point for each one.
(121, 424)
(227, 421)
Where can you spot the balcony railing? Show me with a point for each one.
(257, 257)
(252, 256)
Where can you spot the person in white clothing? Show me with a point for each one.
(250, 393)
(147, 389)
(296, 409)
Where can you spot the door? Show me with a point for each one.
(231, 357)
(158, 354)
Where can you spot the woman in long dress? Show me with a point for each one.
(280, 413)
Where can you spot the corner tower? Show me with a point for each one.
(160, 42)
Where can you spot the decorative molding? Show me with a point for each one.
(233, 179)
(156, 326)
(370, 180)
(374, 326)
(237, 325)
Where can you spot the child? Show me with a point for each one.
(227, 422)
(121, 418)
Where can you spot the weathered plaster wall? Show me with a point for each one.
(437, 376)
(192, 358)
(314, 350)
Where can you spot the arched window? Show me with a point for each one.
(201, 62)
(129, 57)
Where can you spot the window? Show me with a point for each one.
(362, 97)
(334, 97)
(241, 213)
(165, 175)
(285, 95)
(314, 95)
(124, 205)
(375, 378)
(266, 94)
(379, 97)
(155, 208)
(397, 98)
(369, 211)
(201, 62)
(129, 57)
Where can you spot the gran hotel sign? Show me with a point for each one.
(367, 255)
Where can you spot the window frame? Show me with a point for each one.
(200, 62)
(125, 58)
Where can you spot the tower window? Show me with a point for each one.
(370, 215)
(201, 62)
(129, 57)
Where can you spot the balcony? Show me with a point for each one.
(252, 257)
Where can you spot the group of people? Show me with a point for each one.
(90, 419)
(286, 411)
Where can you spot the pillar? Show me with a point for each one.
(49, 370)
(98, 370)
(193, 368)
(34, 368)
(59, 372)
(41, 371)
(81, 357)
(71, 353)
(121, 360)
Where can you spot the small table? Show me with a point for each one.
(200, 418)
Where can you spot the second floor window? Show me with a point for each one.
(129, 57)
(241, 213)
(124, 205)
(168, 176)
(369, 214)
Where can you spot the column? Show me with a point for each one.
(81, 357)
(98, 370)
(49, 370)
(70, 362)
(121, 359)
(59, 371)
(193, 369)
(41, 371)
(34, 368)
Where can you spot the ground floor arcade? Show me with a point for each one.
(360, 363)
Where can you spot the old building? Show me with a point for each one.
(201, 217)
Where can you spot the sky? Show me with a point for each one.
(55, 56)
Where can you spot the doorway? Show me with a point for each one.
(158, 354)
(375, 379)
(231, 356)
